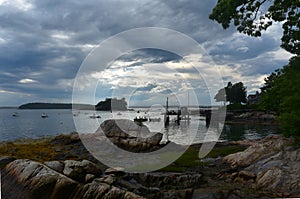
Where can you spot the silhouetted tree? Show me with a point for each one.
(221, 96)
(232, 93)
(238, 93)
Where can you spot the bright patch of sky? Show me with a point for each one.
(26, 81)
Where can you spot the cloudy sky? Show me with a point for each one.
(43, 44)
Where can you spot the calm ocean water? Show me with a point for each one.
(30, 124)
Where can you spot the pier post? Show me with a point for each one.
(178, 116)
(207, 117)
(167, 119)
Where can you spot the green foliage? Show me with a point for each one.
(224, 151)
(232, 93)
(281, 93)
(289, 90)
(269, 99)
(237, 93)
(251, 17)
(190, 159)
(270, 81)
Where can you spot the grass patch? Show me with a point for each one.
(224, 151)
(190, 159)
(172, 168)
(46, 150)
(39, 150)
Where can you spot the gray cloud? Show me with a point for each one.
(48, 41)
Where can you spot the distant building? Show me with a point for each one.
(112, 104)
(253, 99)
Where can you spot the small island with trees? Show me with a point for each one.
(111, 104)
(108, 105)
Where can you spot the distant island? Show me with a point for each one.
(112, 104)
(38, 105)
(108, 105)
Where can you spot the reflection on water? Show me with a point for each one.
(29, 124)
(247, 131)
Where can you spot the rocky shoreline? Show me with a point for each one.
(244, 116)
(61, 167)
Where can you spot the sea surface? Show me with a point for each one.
(29, 124)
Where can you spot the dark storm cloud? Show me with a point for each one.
(48, 42)
(149, 55)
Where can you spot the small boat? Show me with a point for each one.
(95, 116)
(119, 113)
(44, 115)
(15, 114)
(140, 119)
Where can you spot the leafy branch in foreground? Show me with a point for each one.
(251, 17)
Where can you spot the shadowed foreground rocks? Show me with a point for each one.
(271, 164)
(24, 178)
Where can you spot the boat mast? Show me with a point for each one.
(188, 100)
(188, 112)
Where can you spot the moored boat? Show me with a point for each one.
(15, 114)
(140, 119)
(44, 115)
(95, 116)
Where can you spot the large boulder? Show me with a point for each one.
(78, 170)
(124, 128)
(259, 150)
(6, 160)
(55, 165)
(29, 179)
(63, 139)
(127, 135)
(278, 173)
(271, 164)
(26, 179)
